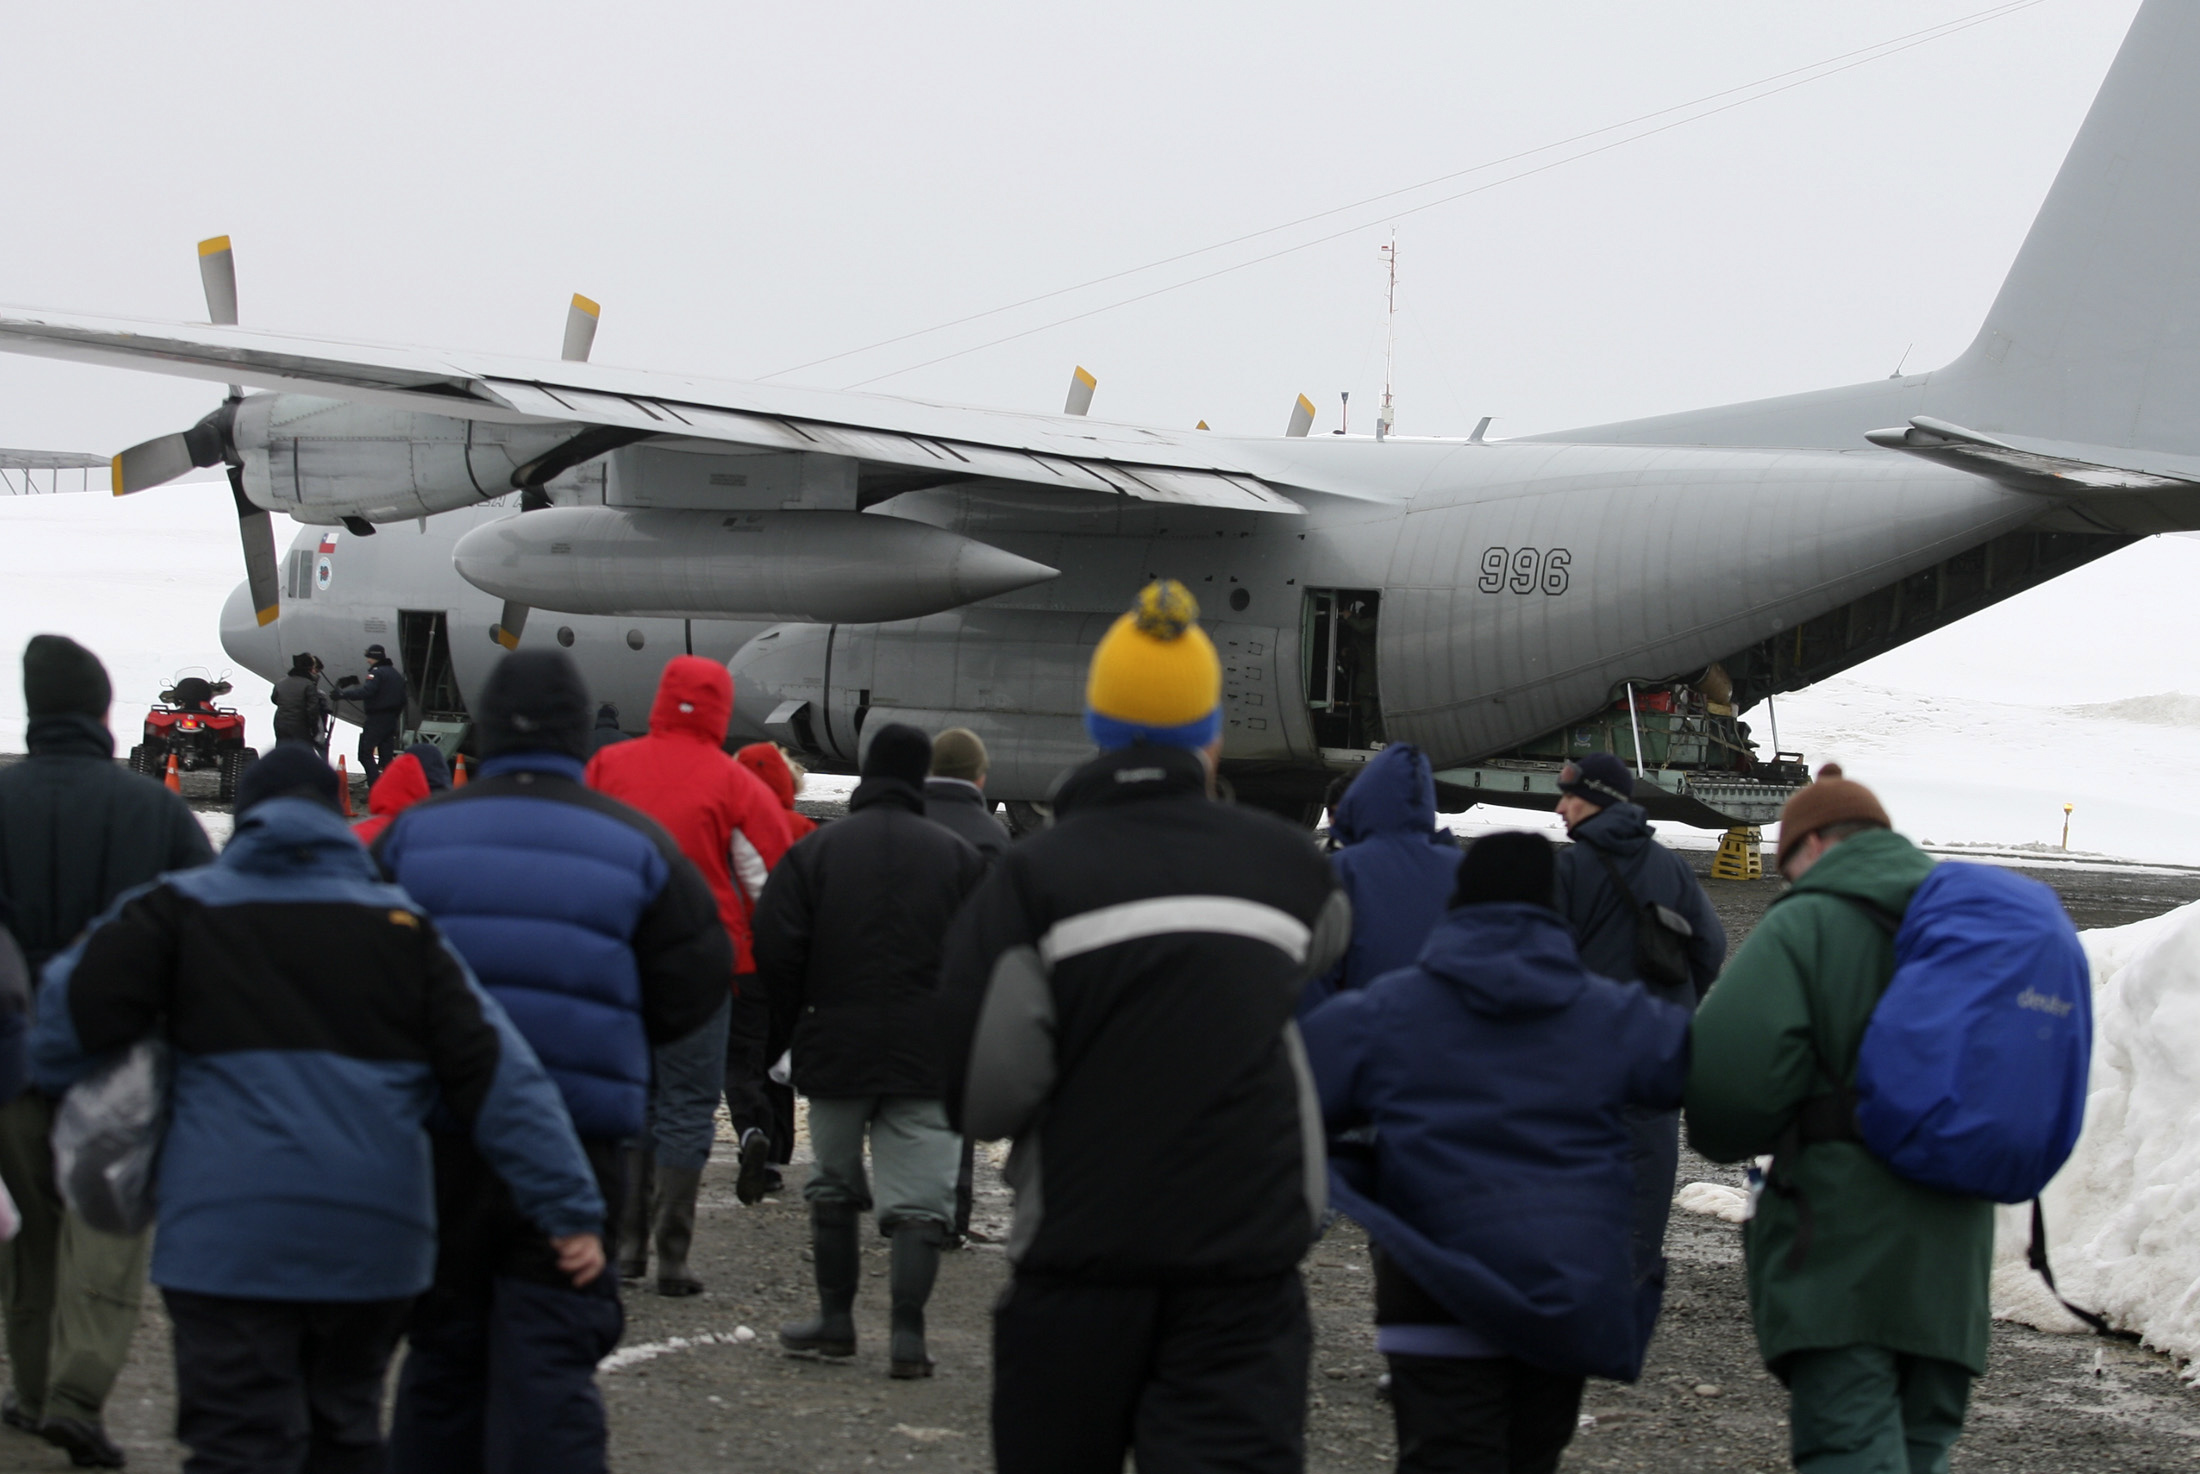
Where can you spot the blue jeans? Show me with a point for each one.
(683, 1100)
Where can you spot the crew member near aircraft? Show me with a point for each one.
(1613, 869)
(301, 707)
(1118, 996)
(381, 698)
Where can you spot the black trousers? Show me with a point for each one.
(1480, 1415)
(377, 744)
(279, 1386)
(1185, 1377)
(748, 1058)
(500, 1373)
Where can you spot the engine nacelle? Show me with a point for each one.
(322, 460)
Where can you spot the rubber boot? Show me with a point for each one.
(634, 1164)
(917, 1245)
(676, 1190)
(838, 1262)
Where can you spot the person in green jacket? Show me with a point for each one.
(1869, 1292)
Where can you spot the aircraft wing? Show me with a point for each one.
(50, 460)
(949, 442)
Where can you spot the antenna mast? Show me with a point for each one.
(1388, 417)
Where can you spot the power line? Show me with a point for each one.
(1756, 91)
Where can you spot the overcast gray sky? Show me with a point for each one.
(746, 188)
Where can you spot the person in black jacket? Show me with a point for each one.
(848, 936)
(301, 707)
(955, 793)
(955, 796)
(76, 831)
(1613, 869)
(1119, 996)
(381, 699)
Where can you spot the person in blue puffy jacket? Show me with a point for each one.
(601, 939)
(1395, 865)
(1475, 1104)
(296, 1217)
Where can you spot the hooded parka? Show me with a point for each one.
(722, 817)
(1601, 920)
(1495, 1073)
(402, 784)
(1397, 868)
(769, 764)
(1890, 1263)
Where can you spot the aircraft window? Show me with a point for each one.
(1239, 598)
(633, 639)
(565, 634)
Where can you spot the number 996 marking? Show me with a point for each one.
(1525, 571)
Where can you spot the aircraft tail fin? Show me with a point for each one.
(2094, 339)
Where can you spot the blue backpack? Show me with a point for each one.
(1972, 1073)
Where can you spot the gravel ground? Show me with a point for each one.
(687, 1392)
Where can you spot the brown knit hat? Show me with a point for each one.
(1833, 799)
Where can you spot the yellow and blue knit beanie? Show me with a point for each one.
(1155, 676)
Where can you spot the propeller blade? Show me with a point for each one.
(1081, 385)
(580, 329)
(256, 528)
(1302, 418)
(151, 464)
(218, 272)
(506, 630)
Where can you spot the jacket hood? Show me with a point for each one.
(402, 784)
(68, 734)
(1394, 794)
(296, 834)
(694, 699)
(1878, 866)
(1506, 959)
(1617, 829)
(763, 759)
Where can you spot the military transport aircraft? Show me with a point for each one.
(858, 557)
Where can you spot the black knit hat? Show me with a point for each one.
(1512, 865)
(288, 770)
(62, 678)
(301, 664)
(899, 751)
(1600, 778)
(535, 701)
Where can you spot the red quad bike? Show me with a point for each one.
(200, 735)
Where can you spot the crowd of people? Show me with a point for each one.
(449, 1076)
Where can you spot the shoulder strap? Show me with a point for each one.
(1618, 884)
(2037, 1256)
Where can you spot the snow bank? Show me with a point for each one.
(2123, 1216)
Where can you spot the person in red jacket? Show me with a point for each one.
(767, 762)
(417, 772)
(730, 824)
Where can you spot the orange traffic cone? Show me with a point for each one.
(343, 785)
(458, 772)
(174, 779)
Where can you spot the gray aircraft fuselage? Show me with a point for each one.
(1518, 587)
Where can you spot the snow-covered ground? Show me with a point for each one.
(1977, 734)
(2123, 1215)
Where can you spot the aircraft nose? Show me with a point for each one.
(256, 647)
